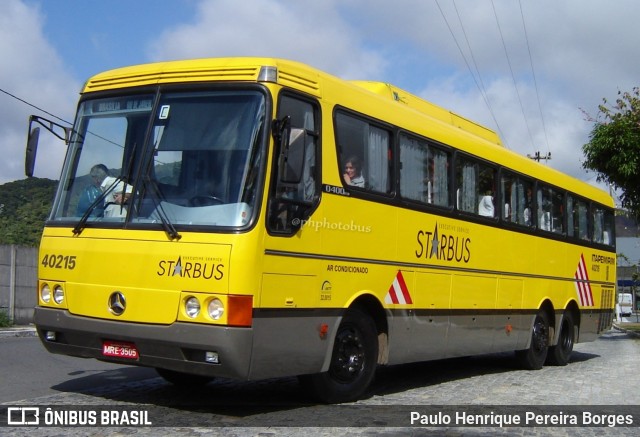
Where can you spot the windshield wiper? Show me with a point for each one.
(156, 196)
(79, 227)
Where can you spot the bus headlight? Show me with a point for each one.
(58, 294)
(192, 307)
(216, 309)
(45, 293)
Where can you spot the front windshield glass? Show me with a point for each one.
(194, 161)
(104, 148)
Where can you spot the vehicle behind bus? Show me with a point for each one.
(625, 304)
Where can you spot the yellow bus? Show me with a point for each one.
(252, 218)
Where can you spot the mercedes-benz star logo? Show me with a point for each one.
(117, 303)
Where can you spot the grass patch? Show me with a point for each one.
(630, 326)
(5, 321)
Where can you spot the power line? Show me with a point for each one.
(36, 107)
(535, 82)
(483, 89)
(484, 97)
(512, 74)
(58, 118)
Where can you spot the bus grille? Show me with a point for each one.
(606, 310)
(193, 74)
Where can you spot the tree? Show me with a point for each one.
(613, 150)
(24, 207)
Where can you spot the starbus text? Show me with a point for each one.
(444, 247)
(196, 270)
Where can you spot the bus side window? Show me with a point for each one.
(291, 202)
(424, 175)
(517, 199)
(603, 226)
(558, 212)
(551, 210)
(526, 218)
(416, 179)
(578, 218)
(609, 237)
(370, 146)
(476, 187)
(508, 190)
(467, 192)
(544, 209)
(441, 162)
(598, 226)
(377, 160)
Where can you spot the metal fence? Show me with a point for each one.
(18, 282)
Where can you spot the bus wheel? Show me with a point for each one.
(534, 357)
(560, 353)
(183, 379)
(353, 361)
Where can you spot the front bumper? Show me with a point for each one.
(178, 346)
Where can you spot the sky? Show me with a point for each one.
(535, 71)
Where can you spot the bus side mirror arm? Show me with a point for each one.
(291, 150)
(33, 136)
(280, 130)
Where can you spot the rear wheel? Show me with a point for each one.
(534, 357)
(353, 361)
(183, 379)
(560, 353)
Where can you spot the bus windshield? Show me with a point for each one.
(187, 158)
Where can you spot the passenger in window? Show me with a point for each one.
(97, 174)
(118, 194)
(527, 207)
(353, 172)
(485, 207)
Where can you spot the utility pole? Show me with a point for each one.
(538, 157)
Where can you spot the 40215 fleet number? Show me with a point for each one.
(59, 261)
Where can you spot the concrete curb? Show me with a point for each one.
(18, 331)
(626, 331)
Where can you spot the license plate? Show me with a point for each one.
(120, 350)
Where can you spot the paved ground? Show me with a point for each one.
(601, 373)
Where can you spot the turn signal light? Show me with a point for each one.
(240, 310)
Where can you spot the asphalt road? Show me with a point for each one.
(29, 371)
(601, 373)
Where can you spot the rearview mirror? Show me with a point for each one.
(32, 149)
(33, 137)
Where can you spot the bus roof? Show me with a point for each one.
(425, 107)
(290, 73)
(446, 126)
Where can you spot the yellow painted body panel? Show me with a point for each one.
(371, 241)
(152, 273)
(362, 245)
(466, 285)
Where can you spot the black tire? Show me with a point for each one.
(534, 357)
(560, 354)
(353, 361)
(181, 379)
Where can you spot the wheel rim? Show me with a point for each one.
(349, 355)
(565, 341)
(540, 335)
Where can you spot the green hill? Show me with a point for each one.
(24, 207)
